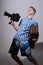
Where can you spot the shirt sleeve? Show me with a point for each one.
(36, 24)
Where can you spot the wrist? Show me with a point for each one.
(13, 24)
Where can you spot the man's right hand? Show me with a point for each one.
(11, 22)
(16, 27)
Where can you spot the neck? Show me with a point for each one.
(30, 16)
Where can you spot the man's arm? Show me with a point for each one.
(14, 25)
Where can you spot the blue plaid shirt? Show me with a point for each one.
(23, 33)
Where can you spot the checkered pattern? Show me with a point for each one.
(23, 33)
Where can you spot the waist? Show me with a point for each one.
(23, 37)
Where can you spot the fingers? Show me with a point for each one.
(11, 22)
(34, 39)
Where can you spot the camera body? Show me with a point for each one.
(13, 16)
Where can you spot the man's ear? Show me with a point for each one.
(33, 13)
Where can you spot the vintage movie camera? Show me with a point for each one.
(14, 16)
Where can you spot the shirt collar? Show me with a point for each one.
(30, 18)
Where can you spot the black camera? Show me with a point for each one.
(13, 16)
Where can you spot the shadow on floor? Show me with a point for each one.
(5, 59)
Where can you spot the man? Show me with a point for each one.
(22, 36)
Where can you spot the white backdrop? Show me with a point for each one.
(17, 6)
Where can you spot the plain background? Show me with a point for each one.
(17, 6)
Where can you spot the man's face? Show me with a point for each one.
(30, 11)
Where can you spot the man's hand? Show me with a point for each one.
(34, 39)
(12, 22)
(14, 25)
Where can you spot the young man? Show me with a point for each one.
(22, 36)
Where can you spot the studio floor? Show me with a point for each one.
(5, 59)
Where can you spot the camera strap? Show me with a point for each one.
(20, 22)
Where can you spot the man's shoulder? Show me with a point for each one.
(24, 18)
(34, 21)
